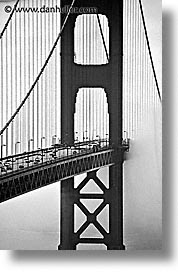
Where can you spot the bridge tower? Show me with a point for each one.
(109, 77)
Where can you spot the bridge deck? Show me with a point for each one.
(31, 178)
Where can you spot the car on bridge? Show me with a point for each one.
(3, 168)
(84, 147)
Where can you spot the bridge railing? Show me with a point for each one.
(26, 160)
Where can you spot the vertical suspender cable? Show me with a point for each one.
(89, 61)
(52, 76)
(147, 86)
(103, 112)
(16, 133)
(127, 62)
(144, 72)
(140, 75)
(130, 67)
(132, 15)
(94, 38)
(150, 95)
(29, 74)
(142, 66)
(20, 78)
(45, 80)
(55, 79)
(25, 111)
(136, 67)
(12, 102)
(48, 99)
(83, 31)
(83, 107)
(42, 77)
(129, 72)
(90, 39)
(85, 35)
(87, 42)
(100, 107)
(89, 113)
(131, 60)
(38, 96)
(33, 75)
(7, 90)
(124, 58)
(144, 80)
(139, 69)
(2, 89)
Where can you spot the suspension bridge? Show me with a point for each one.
(75, 88)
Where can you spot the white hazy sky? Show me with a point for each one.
(153, 15)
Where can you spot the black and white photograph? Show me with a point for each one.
(81, 125)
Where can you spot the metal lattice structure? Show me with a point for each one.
(29, 179)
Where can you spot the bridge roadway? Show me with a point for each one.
(30, 171)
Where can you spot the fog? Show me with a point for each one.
(143, 189)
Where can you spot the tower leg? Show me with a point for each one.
(67, 215)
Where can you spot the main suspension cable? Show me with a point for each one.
(9, 19)
(149, 50)
(102, 35)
